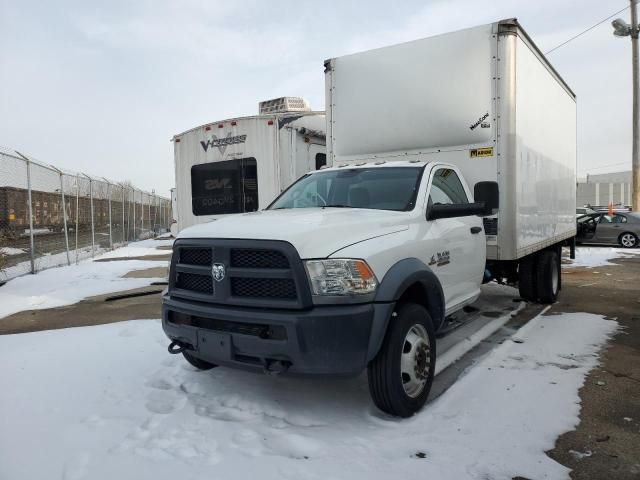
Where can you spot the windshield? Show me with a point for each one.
(386, 188)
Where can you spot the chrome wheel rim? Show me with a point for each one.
(628, 240)
(415, 362)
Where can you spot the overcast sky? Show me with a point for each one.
(102, 87)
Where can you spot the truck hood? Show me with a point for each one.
(314, 232)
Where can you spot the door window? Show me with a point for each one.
(225, 187)
(613, 219)
(446, 188)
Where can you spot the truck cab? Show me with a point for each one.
(311, 284)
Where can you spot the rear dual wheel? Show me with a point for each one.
(400, 376)
(539, 277)
(548, 275)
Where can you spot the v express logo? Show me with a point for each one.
(222, 143)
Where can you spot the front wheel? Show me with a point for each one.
(628, 240)
(527, 278)
(401, 374)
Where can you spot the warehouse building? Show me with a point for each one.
(604, 188)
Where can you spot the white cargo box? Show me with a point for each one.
(485, 99)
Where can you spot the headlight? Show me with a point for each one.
(341, 276)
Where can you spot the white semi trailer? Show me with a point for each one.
(241, 164)
(486, 100)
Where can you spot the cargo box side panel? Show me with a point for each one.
(429, 95)
(249, 138)
(545, 157)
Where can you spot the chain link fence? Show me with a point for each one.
(50, 217)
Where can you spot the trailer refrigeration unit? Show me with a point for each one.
(486, 100)
(241, 164)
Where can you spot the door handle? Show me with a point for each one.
(476, 229)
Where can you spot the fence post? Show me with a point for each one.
(155, 213)
(64, 217)
(77, 227)
(31, 242)
(133, 191)
(123, 239)
(110, 231)
(93, 230)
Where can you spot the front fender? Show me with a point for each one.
(396, 281)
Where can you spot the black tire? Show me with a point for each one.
(622, 240)
(198, 363)
(386, 380)
(527, 278)
(548, 276)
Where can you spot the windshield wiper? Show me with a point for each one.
(336, 206)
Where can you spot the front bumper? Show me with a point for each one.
(335, 340)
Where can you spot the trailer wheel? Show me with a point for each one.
(548, 276)
(527, 278)
(400, 376)
(198, 363)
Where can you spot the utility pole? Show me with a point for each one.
(635, 160)
(623, 29)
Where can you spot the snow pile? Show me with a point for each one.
(70, 284)
(134, 411)
(46, 260)
(140, 249)
(11, 251)
(599, 256)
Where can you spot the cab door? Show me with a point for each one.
(456, 247)
(587, 228)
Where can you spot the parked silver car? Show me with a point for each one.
(620, 228)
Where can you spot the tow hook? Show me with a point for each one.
(276, 367)
(176, 347)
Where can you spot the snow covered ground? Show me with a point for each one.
(109, 402)
(147, 247)
(11, 251)
(66, 285)
(599, 256)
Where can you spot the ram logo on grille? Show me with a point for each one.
(217, 270)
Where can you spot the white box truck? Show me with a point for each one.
(357, 266)
(241, 164)
(484, 99)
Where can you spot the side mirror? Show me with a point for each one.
(487, 193)
(451, 210)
